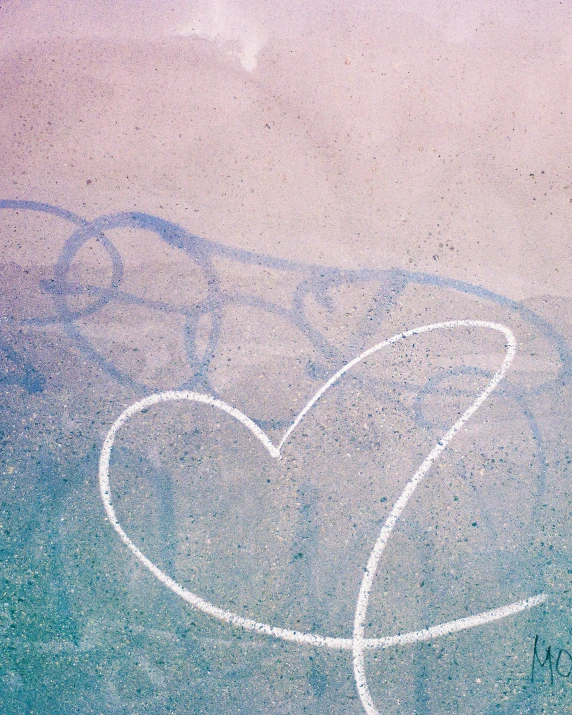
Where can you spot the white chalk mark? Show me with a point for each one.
(401, 503)
(358, 643)
(461, 624)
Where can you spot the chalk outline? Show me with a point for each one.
(358, 644)
(318, 280)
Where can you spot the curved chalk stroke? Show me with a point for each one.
(358, 643)
(311, 283)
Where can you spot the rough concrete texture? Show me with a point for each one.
(237, 199)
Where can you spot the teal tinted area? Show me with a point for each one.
(87, 629)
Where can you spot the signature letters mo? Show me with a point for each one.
(558, 661)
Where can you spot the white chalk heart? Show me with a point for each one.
(358, 643)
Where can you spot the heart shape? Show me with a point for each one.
(358, 643)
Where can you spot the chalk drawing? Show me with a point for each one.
(358, 644)
(311, 283)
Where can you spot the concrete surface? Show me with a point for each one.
(237, 199)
